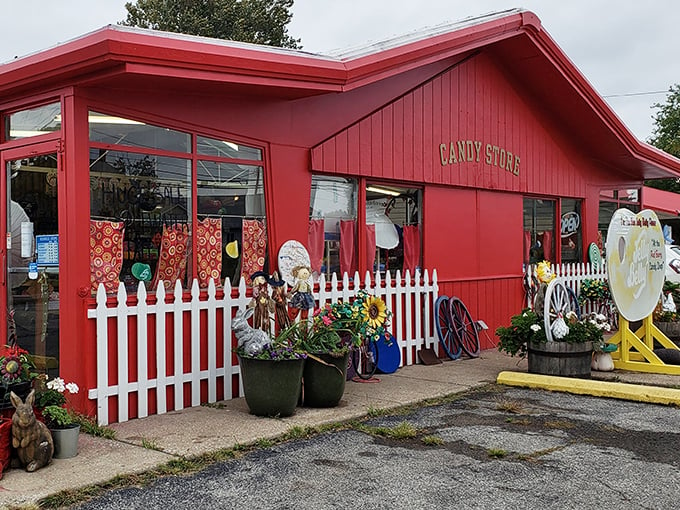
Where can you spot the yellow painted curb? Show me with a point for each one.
(624, 391)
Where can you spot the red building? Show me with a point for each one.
(473, 149)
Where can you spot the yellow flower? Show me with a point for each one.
(374, 311)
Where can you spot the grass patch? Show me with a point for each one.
(150, 444)
(90, 426)
(432, 441)
(403, 430)
(496, 453)
(510, 406)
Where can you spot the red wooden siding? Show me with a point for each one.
(473, 102)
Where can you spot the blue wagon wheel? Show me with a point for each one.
(464, 328)
(444, 329)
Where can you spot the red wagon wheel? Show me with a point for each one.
(464, 328)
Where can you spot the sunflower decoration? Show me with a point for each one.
(374, 311)
(15, 365)
(11, 368)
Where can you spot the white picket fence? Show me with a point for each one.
(573, 275)
(410, 300)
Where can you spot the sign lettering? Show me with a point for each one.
(474, 151)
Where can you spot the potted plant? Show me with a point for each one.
(327, 342)
(271, 368)
(52, 403)
(570, 354)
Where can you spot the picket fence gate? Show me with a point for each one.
(410, 300)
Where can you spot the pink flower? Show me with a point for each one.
(327, 321)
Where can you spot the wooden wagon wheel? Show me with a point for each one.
(557, 304)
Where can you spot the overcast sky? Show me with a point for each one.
(627, 49)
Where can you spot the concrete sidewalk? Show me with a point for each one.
(205, 429)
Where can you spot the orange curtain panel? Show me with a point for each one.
(254, 248)
(172, 260)
(209, 251)
(106, 254)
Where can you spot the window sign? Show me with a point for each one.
(48, 250)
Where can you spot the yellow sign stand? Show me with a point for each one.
(636, 348)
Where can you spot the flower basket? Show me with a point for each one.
(271, 387)
(562, 359)
(324, 381)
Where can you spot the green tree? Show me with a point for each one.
(253, 21)
(666, 134)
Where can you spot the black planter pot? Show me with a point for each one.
(271, 388)
(561, 359)
(324, 383)
(22, 389)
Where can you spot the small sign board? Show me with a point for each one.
(47, 248)
(636, 262)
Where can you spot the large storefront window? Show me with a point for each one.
(144, 226)
(332, 239)
(539, 230)
(571, 230)
(393, 234)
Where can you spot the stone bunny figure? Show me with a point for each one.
(30, 437)
(251, 340)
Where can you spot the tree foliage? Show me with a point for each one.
(666, 134)
(253, 21)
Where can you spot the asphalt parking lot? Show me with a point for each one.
(494, 447)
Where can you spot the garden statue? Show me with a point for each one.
(261, 302)
(301, 293)
(30, 437)
(251, 340)
(280, 299)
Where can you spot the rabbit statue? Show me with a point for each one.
(251, 340)
(31, 438)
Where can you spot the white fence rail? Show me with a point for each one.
(411, 301)
(573, 275)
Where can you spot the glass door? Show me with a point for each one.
(31, 273)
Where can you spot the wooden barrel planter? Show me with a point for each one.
(670, 329)
(561, 359)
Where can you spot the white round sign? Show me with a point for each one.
(292, 253)
(636, 261)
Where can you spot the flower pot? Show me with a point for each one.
(65, 441)
(560, 358)
(602, 362)
(271, 387)
(324, 384)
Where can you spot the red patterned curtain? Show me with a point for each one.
(370, 247)
(411, 235)
(106, 254)
(315, 244)
(172, 260)
(254, 247)
(348, 259)
(209, 254)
